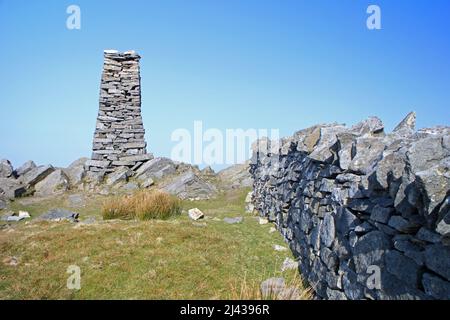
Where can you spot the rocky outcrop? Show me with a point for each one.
(236, 176)
(76, 171)
(190, 185)
(55, 183)
(366, 213)
(25, 168)
(6, 169)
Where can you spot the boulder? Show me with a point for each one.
(35, 175)
(426, 153)
(407, 126)
(371, 126)
(236, 176)
(368, 151)
(25, 168)
(120, 174)
(328, 137)
(55, 183)
(189, 186)
(3, 204)
(76, 171)
(6, 169)
(11, 188)
(156, 168)
(147, 182)
(433, 184)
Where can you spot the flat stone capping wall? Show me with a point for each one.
(119, 134)
(365, 213)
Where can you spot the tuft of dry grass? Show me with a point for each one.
(143, 205)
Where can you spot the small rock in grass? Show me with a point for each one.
(272, 230)
(14, 218)
(59, 215)
(199, 224)
(263, 220)
(276, 247)
(233, 220)
(195, 214)
(24, 214)
(11, 261)
(275, 288)
(289, 264)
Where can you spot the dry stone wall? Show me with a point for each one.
(119, 134)
(366, 213)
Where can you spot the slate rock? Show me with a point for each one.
(156, 168)
(35, 175)
(3, 204)
(402, 267)
(195, 214)
(381, 214)
(370, 126)
(428, 236)
(434, 184)
(59, 215)
(289, 264)
(335, 295)
(25, 168)
(327, 232)
(55, 183)
(436, 287)
(407, 125)
(120, 174)
(437, 259)
(6, 169)
(233, 220)
(11, 188)
(370, 250)
(76, 171)
(401, 224)
(368, 151)
(190, 186)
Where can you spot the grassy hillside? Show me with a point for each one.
(172, 259)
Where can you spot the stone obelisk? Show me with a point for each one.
(119, 133)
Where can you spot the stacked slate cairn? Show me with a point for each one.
(367, 214)
(119, 134)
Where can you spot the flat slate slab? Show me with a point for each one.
(59, 215)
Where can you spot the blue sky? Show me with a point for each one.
(230, 63)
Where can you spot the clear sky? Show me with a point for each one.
(285, 64)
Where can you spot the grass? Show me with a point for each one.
(143, 205)
(129, 259)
